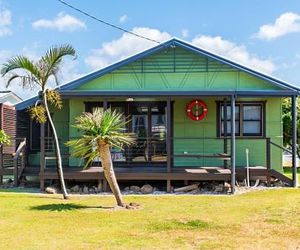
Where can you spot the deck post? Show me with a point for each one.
(268, 151)
(169, 151)
(232, 121)
(294, 139)
(225, 129)
(42, 157)
(105, 104)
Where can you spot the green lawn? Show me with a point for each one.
(289, 173)
(257, 220)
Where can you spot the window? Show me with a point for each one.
(248, 119)
(35, 135)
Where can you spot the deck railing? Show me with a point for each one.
(185, 152)
(19, 161)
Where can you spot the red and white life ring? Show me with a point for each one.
(196, 110)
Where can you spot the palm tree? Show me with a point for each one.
(31, 74)
(101, 131)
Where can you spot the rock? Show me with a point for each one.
(126, 189)
(50, 190)
(263, 184)
(8, 181)
(278, 184)
(146, 189)
(75, 189)
(85, 190)
(92, 191)
(219, 188)
(226, 187)
(135, 189)
(195, 191)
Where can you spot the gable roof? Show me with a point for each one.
(183, 44)
(174, 42)
(9, 97)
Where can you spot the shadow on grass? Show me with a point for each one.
(176, 224)
(65, 207)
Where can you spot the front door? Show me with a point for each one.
(147, 120)
(148, 123)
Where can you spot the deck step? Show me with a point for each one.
(281, 177)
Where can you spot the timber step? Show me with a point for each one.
(281, 177)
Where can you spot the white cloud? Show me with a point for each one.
(62, 22)
(286, 23)
(185, 33)
(5, 22)
(231, 50)
(124, 46)
(123, 19)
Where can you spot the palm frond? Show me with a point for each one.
(99, 126)
(53, 58)
(26, 81)
(32, 73)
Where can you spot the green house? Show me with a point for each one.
(179, 100)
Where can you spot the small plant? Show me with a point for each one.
(102, 131)
(4, 138)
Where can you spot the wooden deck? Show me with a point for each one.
(154, 173)
(144, 173)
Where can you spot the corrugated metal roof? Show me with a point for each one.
(172, 42)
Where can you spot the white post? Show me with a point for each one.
(247, 168)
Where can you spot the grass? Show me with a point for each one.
(288, 171)
(257, 220)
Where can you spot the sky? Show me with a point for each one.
(264, 35)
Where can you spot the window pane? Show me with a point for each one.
(252, 127)
(237, 112)
(237, 128)
(252, 112)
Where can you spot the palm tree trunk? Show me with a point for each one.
(58, 155)
(109, 173)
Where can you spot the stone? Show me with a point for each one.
(263, 184)
(50, 190)
(85, 190)
(195, 191)
(75, 189)
(219, 188)
(146, 189)
(92, 191)
(135, 189)
(278, 184)
(226, 187)
(126, 189)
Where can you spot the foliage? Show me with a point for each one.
(38, 113)
(30, 74)
(4, 138)
(287, 123)
(107, 126)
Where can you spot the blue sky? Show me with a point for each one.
(260, 34)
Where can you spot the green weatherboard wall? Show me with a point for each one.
(178, 70)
